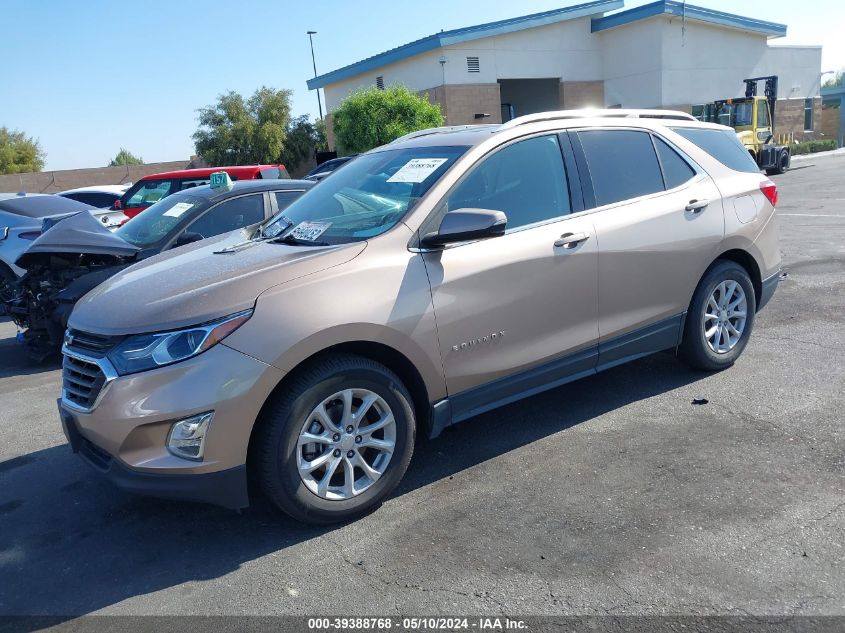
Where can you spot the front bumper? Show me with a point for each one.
(225, 488)
(124, 436)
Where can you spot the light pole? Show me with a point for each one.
(311, 35)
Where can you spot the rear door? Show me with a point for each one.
(515, 313)
(658, 223)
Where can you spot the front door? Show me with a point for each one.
(517, 313)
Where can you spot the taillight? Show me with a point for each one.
(770, 190)
(29, 235)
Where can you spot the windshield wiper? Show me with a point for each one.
(258, 238)
(295, 241)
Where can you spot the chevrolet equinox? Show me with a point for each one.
(450, 272)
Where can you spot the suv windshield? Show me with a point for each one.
(365, 198)
(157, 222)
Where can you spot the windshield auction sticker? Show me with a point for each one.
(417, 170)
(310, 231)
(178, 209)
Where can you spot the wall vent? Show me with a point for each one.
(473, 65)
(380, 82)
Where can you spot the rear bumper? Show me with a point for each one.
(225, 488)
(767, 290)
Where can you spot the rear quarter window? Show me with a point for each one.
(723, 145)
(676, 170)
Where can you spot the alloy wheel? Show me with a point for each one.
(346, 444)
(725, 316)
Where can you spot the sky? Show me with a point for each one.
(89, 77)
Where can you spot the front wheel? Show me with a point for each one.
(782, 164)
(336, 441)
(8, 282)
(720, 318)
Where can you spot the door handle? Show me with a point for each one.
(697, 206)
(571, 240)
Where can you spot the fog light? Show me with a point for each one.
(187, 437)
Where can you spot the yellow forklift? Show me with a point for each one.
(753, 118)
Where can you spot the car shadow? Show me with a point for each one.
(74, 544)
(17, 362)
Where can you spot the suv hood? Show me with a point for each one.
(78, 234)
(194, 284)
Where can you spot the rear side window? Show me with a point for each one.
(676, 171)
(723, 145)
(622, 164)
(284, 198)
(526, 180)
(230, 215)
(95, 199)
(190, 184)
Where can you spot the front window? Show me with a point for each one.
(160, 220)
(736, 114)
(148, 192)
(366, 198)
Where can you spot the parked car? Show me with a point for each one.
(78, 253)
(150, 189)
(428, 281)
(21, 218)
(324, 169)
(102, 197)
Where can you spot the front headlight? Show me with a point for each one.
(148, 351)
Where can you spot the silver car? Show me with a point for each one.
(21, 219)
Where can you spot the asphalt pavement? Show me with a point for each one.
(612, 495)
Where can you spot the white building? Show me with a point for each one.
(665, 54)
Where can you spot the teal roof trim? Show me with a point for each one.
(457, 36)
(681, 9)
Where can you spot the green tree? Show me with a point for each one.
(125, 157)
(238, 131)
(373, 117)
(837, 80)
(19, 153)
(302, 139)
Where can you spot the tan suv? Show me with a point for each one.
(448, 273)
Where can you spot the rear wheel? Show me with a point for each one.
(720, 318)
(336, 441)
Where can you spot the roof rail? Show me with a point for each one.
(438, 130)
(676, 115)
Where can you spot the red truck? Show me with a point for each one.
(150, 189)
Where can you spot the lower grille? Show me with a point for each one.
(81, 381)
(95, 455)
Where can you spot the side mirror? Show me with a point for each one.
(188, 238)
(116, 206)
(463, 225)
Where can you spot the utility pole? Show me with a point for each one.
(311, 35)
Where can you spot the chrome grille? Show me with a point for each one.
(95, 345)
(81, 381)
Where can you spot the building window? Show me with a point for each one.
(473, 65)
(808, 115)
(380, 82)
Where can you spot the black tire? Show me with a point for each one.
(695, 351)
(8, 281)
(275, 445)
(782, 166)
